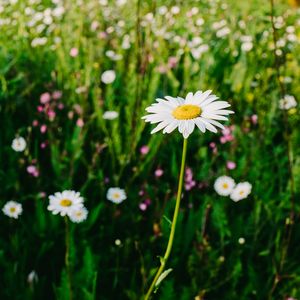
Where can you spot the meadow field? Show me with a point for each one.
(88, 190)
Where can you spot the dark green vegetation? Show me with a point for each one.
(163, 58)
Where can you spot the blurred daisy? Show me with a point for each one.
(19, 144)
(198, 109)
(241, 191)
(110, 115)
(108, 76)
(287, 102)
(78, 215)
(116, 195)
(224, 185)
(12, 209)
(65, 203)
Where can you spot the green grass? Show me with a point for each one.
(207, 259)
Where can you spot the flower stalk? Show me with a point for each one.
(67, 256)
(165, 258)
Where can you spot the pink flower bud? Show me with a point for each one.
(230, 165)
(73, 52)
(158, 172)
(144, 150)
(45, 98)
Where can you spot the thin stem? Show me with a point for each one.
(163, 260)
(67, 256)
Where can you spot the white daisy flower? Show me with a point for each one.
(110, 115)
(108, 76)
(116, 195)
(19, 144)
(65, 203)
(78, 215)
(224, 185)
(198, 109)
(241, 191)
(12, 209)
(287, 102)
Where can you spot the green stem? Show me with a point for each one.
(163, 261)
(67, 256)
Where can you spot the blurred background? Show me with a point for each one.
(75, 78)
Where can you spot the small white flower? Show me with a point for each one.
(223, 32)
(12, 209)
(116, 195)
(287, 102)
(110, 115)
(199, 109)
(241, 241)
(78, 215)
(108, 76)
(32, 277)
(224, 185)
(19, 144)
(65, 203)
(241, 191)
(247, 46)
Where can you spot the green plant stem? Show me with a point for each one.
(67, 256)
(163, 260)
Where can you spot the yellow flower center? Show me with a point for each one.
(225, 186)
(241, 193)
(12, 209)
(65, 202)
(186, 112)
(116, 195)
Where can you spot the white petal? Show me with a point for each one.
(212, 116)
(200, 124)
(160, 126)
(171, 127)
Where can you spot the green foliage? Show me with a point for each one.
(115, 252)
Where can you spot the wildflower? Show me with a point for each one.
(78, 215)
(116, 195)
(241, 191)
(254, 119)
(110, 115)
(65, 203)
(230, 165)
(158, 172)
(224, 185)
(32, 170)
(32, 277)
(118, 242)
(12, 209)
(287, 102)
(18, 144)
(143, 206)
(241, 241)
(45, 98)
(74, 52)
(199, 109)
(108, 77)
(80, 123)
(43, 128)
(144, 150)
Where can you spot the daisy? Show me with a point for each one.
(198, 109)
(224, 185)
(116, 195)
(18, 144)
(12, 209)
(65, 203)
(287, 102)
(78, 215)
(110, 115)
(108, 76)
(241, 191)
